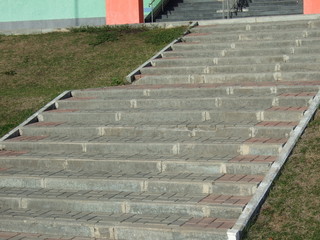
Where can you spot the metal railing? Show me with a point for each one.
(156, 9)
(232, 7)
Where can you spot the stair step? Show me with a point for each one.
(184, 103)
(204, 90)
(192, 183)
(183, 204)
(259, 26)
(114, 226)
(208, 131)
(169, 147)
(210, 61)
(174, 117)
(229, 164)
(248, 36)
(241, 53)
(284, 11)
(235, 78)
(247, 45)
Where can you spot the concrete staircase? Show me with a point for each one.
(177, 155)
(189, 10)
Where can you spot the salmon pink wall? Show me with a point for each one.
(124, 11)
(311, 6)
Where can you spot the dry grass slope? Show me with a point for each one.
(36, 68)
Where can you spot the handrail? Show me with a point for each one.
(153, 9)
(230, 7)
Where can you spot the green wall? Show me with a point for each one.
(31, 10)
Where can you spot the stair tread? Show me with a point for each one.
(120, 197)
(165, 221)
(133, 177)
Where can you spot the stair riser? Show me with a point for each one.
(212, 168)
(132, 185)
(73, 164)
(252, 36)
(216, 12)
(129, 132)
(190, 103)
(230, 78)
(122, 206)
(199, 7)
(243, 45)
(257, 13)
(230, 69)
(173, 118)
(40, 226)
(276, 26)
(191, 149)
(133, 166)
(149, 93)
(106, 230)
(193, 16)
(225, 53)
(242, 53)
(260, 45)
(290, 58)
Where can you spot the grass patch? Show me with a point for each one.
(36, 68)
(292, 209)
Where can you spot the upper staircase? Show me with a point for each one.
(178, 154)
(191, 10)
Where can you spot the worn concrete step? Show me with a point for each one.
(174, 117)
(114, 163)
(281, 130)
(228, 53)
(193, 91)
(170, 147)
(210, 61)
(165, 18)
(278, 67)
(199, 6)
(245, 45)
(281, 7)
(243, 27)
(182, 204)
(273, 1)
(234, 78)
(283, 12)
(264, 10)
(242, 52)
(249, 45)
(114, 226)
(184, 103)
(192, 183)
(248, 36)
(274, 4)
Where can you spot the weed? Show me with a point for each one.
(116, 81)
(158, 36)
(10, 73)
(104, 37)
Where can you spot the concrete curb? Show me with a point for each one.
(130, 76)
(34, 117)
(258, 199)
